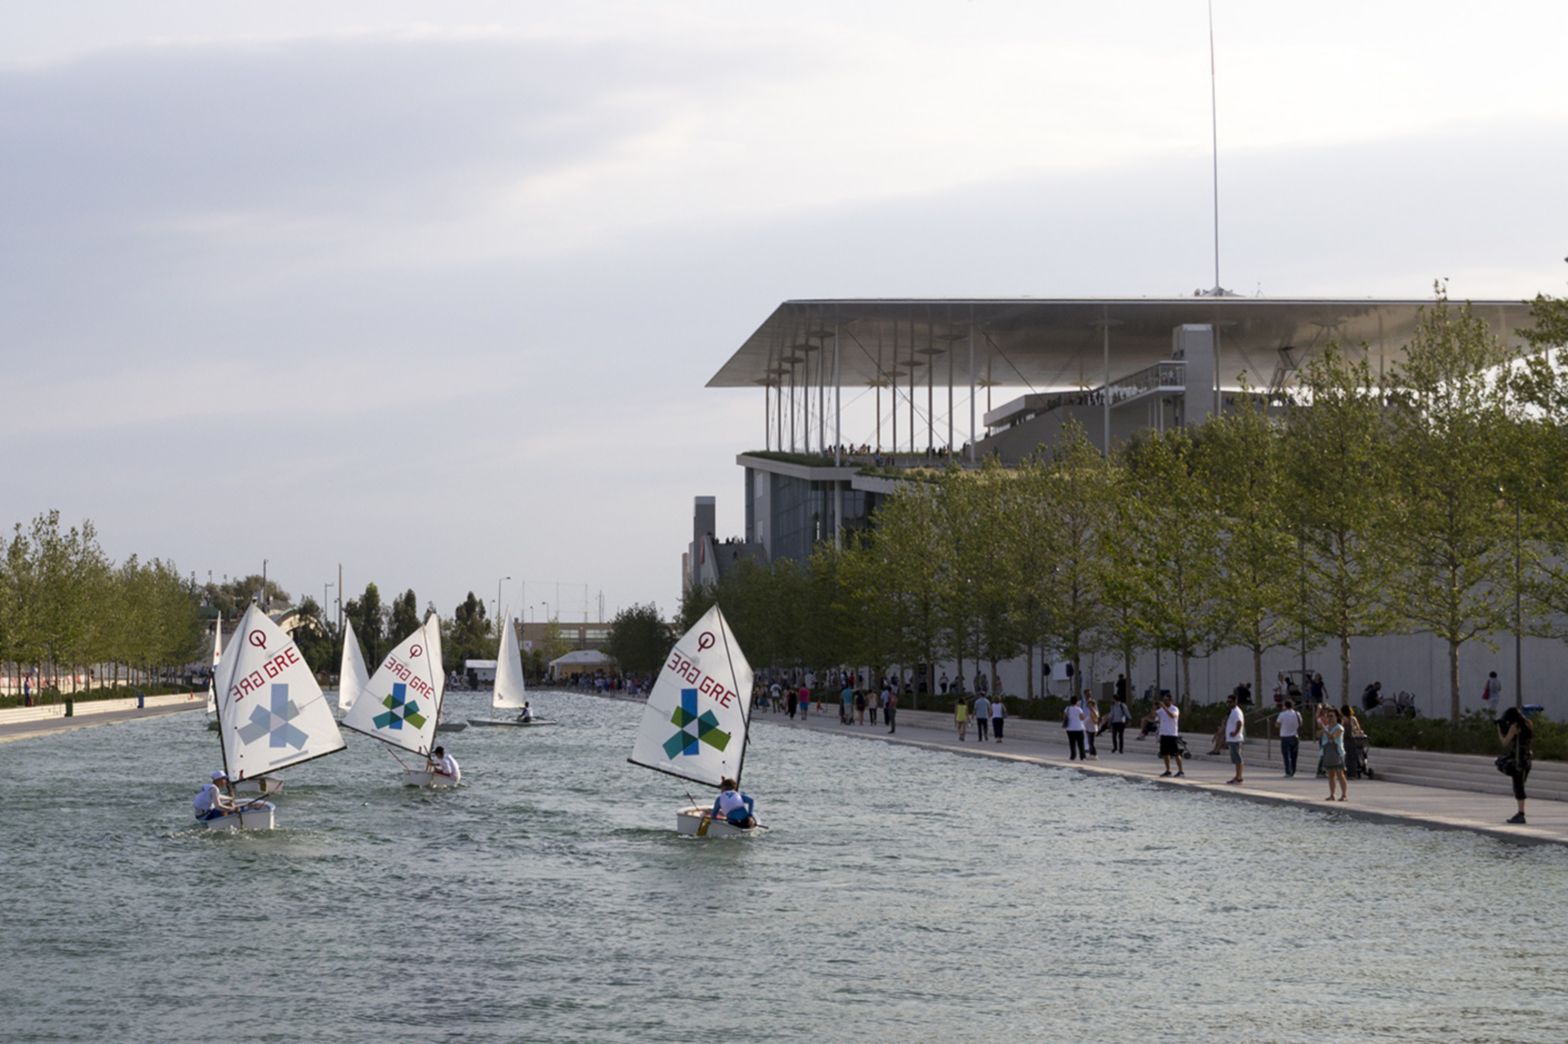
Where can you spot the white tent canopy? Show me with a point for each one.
(583, 659)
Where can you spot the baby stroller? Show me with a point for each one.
(1356, 766)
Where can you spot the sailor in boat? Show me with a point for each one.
(214, 799)
(527, 714)
(733, 806)
(444, 764)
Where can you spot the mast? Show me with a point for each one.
(745, 698)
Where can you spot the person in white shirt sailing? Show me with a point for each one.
(527, 713)
(214, 799)
(733, 806)
(444, 764)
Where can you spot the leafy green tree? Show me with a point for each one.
(468, 635)
(1240, 457)
(1073, 488)
(695, 602)
(315, 639)
(405, 618)
(1164, 546)
(904, 545)
(1337, 460)
(230, 597)
(639, 639)
(1450, 450)
(368, 617)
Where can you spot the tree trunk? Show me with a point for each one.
(1257, 679)
(1454, 708)
(1186, 682)
(1029, 674)
(1344, 669)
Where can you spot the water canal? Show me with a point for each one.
(900, 895)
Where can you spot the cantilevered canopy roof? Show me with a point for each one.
(1060, 344)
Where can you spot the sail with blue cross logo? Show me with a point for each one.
(271, 713)
(694, 724)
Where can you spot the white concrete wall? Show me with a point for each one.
(1418, 663)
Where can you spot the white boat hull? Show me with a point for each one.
(259, 816)
(452, 726)
(421, 778)
(489, 723)
(259, 785)
(688, 821)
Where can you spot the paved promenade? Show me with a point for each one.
(9, 733)
(1044, 743)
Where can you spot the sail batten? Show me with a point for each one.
(694, 724)
(271, 713)
(400, 704)
(510, 693)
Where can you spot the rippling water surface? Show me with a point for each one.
(899, 894)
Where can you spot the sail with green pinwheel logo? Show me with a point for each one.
(694, 724)
(401, 703)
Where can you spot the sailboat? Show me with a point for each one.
(271, 714)
(509, 692)
(694, 723)
(212, 674)
(400, 705)
(353, 676)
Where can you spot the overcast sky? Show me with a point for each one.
(432, 290)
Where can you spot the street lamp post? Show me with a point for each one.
(498, 584)
(1518, 610)
(326, 599)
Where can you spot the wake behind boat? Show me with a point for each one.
(695, 721)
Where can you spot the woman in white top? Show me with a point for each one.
(1073, 722)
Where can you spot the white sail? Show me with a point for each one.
(353, 675)
(694, 725)
(509, 691)
(400, 703)
(217, 658)
(271, 713)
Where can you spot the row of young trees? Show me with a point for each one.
(66, 608)
(1433, 498)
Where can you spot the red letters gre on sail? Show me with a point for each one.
(706, 684)
(404, 673)
(274, 666)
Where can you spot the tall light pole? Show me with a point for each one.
(498, 584)
(326, 599)
(1518, 611)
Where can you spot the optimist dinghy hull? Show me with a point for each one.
(421, 778)
(689, 820)
(452, 726)
(259, 816)
(486, 723)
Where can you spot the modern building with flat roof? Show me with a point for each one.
(855, 389)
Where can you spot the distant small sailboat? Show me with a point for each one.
(400, 705)
(510, 691)
(212, 674)
(694, 723)
(353, 675)
(271, 714)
